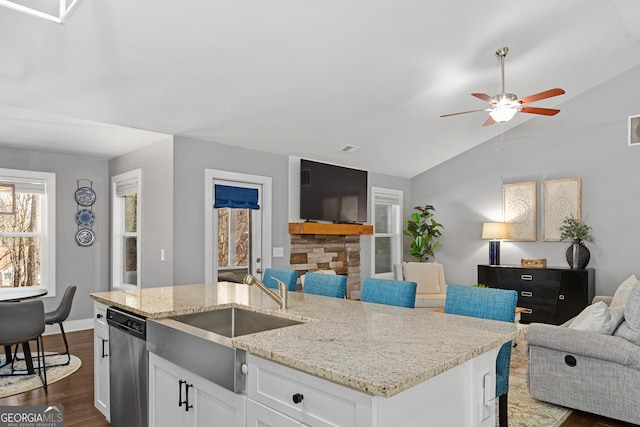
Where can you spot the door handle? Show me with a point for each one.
(184, 402)
(103, 353)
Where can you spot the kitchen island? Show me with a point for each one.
(428, 366)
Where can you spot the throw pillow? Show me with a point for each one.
(598, 318)
(630, 328)
(622, 293)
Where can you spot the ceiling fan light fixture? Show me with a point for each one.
(503, 113)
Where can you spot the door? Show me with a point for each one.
(247, 248)
(239, 234)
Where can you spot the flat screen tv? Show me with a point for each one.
(332, 193)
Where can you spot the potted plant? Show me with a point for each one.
(577, 231)
(424, 232)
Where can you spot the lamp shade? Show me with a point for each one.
(494, 230)
(503, 114)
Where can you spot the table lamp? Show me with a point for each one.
(494, 231)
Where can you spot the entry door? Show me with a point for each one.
(237, 236)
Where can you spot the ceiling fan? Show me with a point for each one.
(505, 105)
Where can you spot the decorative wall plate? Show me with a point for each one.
(85, 237)
(85, 196)
(85, 217)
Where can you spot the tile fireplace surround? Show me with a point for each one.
(328, 250)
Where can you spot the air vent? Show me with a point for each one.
(350, 148)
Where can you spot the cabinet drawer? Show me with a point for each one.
(320, 402)
(529, 276)
(99, 315)
(537, 312)
(536, 294)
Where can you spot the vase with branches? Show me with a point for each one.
(576, 230)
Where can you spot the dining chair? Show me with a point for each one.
(329, 285)
(390, 292)
(21, 322)
(59, 315)
(494, 304)
(288, 277)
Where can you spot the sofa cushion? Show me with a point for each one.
(622, 293)
(630, 328)
(598, 318)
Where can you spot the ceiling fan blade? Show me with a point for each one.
(537, 110)
(542, 95)
(463, 112)
(489, 121)
(484, 97)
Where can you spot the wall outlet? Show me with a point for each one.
(278, 252)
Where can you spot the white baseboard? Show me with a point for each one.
(70, 326)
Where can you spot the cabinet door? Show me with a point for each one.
(165, 391)
(259, 415)
(215, 405)
(101, 370)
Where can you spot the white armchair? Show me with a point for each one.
(429, 276)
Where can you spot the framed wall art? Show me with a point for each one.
(561, 198)
(519, 208)
(634, 130)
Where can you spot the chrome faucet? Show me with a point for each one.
(280, 299)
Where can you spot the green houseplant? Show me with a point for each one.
(424, 231)
(576, 230)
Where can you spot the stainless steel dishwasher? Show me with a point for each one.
(128, 369)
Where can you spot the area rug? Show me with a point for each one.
(523, 411)
(21, 383)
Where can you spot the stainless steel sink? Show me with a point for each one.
(234, 322)
(201, 342)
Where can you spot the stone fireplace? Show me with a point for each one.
(336, 247)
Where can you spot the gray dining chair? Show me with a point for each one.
(59, 315)
(21, 322)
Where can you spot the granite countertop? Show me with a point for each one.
(377, 349)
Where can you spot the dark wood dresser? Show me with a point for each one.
(548, 295)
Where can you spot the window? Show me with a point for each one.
(27, 232)
(387, 238)
(126, 244)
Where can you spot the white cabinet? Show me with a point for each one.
(308, 399)
(259, 415)
(101, 359)
(178, 397)
(282, 396)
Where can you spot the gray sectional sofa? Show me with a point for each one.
(596, 371)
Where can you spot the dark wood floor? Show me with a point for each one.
(75, 393)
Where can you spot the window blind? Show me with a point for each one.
(127, 187)
(227, 196)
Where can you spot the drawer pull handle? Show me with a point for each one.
(526, 294)
(297, 398)
(527, 311)
(526, 277)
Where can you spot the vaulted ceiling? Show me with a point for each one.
(299, 77)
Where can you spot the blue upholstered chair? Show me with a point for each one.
(494, 304)
(389, 292)
(288, 277)
(329, 285)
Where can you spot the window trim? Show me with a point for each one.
(48, 233)
(117, 230)
(396, 230)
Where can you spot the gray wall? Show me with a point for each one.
(191, 158)
(87, 267)
(156, 163)
(588, 139)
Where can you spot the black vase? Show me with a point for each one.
(578, 255)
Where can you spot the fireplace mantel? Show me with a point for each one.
(332, 229)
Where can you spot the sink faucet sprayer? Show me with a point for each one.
(280, 299)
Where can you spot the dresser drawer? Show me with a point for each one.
(537, 312)
(529, 276)
(319, 402)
